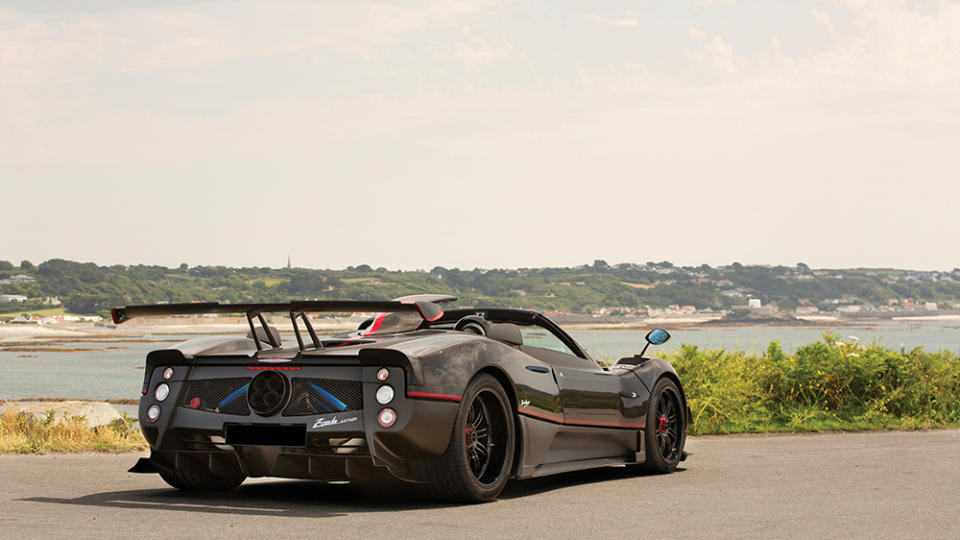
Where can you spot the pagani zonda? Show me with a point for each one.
(456, 401)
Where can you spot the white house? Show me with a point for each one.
(19, 279)
(12, 298)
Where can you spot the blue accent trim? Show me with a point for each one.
(340, 406)
(319, 403)
(236, 393)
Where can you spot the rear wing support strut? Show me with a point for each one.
(296, 330)
(317, 344)
(253, 332)
(313, 335)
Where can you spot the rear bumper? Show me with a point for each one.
(315, 445)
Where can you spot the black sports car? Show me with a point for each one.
(456, 401)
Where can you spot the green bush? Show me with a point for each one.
(826, 385)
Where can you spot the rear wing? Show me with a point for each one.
(425, 305)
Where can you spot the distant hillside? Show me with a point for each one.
(87, 288)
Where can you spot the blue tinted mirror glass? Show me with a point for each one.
(658, 336)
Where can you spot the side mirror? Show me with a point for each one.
(657, 336)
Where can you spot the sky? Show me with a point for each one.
(481, 133)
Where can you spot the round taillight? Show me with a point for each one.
(383, 374)
(168, 374)
(384, 394)
(153, 413)
(387, 417)
(162, 391)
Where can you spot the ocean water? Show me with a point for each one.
(113, 369)
(931, 335)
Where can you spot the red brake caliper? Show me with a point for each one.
(663, 424)
(466, 433)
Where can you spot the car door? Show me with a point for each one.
(589, 395)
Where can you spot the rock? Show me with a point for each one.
(97, 413)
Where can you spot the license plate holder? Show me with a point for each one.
(266, 435)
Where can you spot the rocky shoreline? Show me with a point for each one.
(92, 413)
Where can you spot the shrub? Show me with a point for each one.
(23, 434)
(831, 384)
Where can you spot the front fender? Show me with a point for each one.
(650, 371)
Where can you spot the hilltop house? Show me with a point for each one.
(12, 298)
(19, 279)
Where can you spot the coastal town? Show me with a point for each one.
(65, 292)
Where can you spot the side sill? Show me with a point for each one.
(568, 466)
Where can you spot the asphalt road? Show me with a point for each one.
(867, 485)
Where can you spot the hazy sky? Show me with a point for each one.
(476, 133)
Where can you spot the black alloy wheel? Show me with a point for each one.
(478, 460)
(483, 438)
(666, 428)
(668, 425)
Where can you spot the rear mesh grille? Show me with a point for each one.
(319, 396)
(227, 396)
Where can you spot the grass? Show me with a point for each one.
(269, 282)
(824, 386)
(46, 312)
(24, 434)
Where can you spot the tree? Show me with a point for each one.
(5, 265)
(27, 266)
(87, 304)
(307, 284)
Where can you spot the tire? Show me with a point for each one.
(666, 431)
(476, 465)
(188, 479)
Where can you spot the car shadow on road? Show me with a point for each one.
(291, 498)
(287, 498)
(535, 486)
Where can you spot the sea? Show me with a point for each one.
(112, 368)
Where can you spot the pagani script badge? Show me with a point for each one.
(324, 422)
